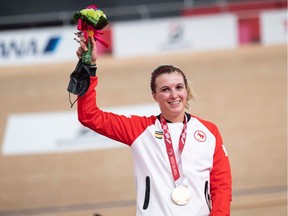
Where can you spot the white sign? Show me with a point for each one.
(175, 34)
(60, 132)
(274, 27)
(22, 47)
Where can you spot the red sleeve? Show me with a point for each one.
(220, 179)
(117, 127)
(220, 176)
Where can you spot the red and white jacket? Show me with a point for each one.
(204, 159)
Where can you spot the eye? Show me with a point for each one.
(165, 89)
(180, 87)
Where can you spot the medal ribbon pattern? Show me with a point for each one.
(169, 146)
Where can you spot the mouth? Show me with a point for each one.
(174, 102)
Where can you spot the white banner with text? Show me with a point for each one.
(36, 46)
(52, 132)
(175, 34)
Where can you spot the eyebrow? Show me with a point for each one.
(163, 87)
(178, 84)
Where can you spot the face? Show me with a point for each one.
(171, 95)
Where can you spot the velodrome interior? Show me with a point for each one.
(243, 91)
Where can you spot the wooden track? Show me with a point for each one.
(243, 91)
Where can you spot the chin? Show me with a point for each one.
(177, 109)
(177, 112)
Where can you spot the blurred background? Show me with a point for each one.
(233, 52)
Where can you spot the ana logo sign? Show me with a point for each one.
(28, 47)
(52, 44)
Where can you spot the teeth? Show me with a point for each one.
(174, 102)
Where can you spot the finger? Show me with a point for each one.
(83, 45)
(94, 46)
(79, 52)
(93, 42)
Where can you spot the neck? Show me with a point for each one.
(174, 119)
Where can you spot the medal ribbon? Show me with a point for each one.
(169, 146)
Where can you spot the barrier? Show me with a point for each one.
(248, 14)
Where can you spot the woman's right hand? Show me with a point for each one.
(83, 48)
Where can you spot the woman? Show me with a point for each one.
(181, 166)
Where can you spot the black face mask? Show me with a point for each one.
(79, 81)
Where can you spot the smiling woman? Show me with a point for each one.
(177, 172)
(230, 93)
(171, 90)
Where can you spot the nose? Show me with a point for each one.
(173, 94)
